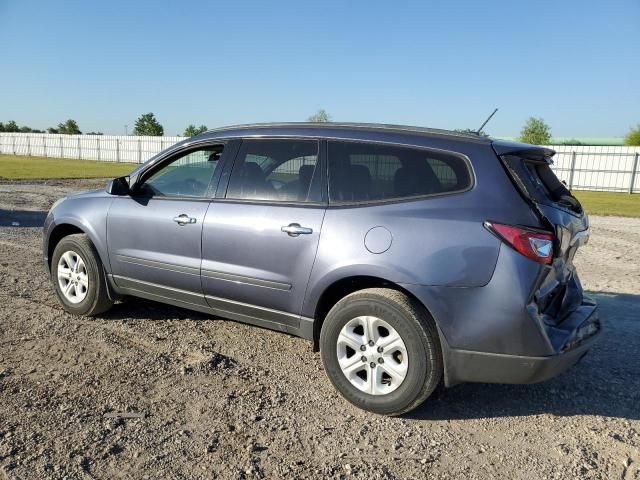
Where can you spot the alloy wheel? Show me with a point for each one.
(73, 278)
(372, 355)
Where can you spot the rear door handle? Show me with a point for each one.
(184, 219)
(294, 229)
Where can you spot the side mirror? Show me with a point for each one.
(118, 186)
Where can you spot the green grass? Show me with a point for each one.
(13, 167)
(608, 203)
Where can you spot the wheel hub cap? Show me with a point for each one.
(73, 279)
(372, 355)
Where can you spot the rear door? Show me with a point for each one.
(260, 239)
(154, 235)
(560, 291)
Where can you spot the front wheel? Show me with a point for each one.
(381, 351)
(76, 271)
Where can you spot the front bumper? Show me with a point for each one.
(579, 332)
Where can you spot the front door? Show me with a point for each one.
(154, 236)
(259, 242)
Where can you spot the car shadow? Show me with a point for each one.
(22, 218)
(606, 382)
(133, 308)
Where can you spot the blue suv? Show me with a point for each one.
(409, 256)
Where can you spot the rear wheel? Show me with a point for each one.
(78, 278)
(381, 351)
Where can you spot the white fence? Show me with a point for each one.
(105, 148)
(603, 168)
(581, 167)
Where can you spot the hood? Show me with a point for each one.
(96, 192)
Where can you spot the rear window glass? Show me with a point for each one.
(360, 172)
(536, 180)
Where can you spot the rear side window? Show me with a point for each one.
(276, 171)
(360, 172)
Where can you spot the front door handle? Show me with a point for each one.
(294, 229)
(184, 219)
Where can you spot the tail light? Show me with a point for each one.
(533, 244)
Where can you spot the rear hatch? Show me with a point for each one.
(558, 293)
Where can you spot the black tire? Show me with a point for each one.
(97, 298)
(418, 332)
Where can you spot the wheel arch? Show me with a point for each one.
(68, 227)
(348, 285)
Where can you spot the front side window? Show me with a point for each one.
(188, 175)
(361, 172)
(275, 170)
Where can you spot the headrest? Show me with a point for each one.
(252, 170)
(306, 172)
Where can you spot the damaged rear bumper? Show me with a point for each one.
(571, 339)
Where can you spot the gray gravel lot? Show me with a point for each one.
(208, 398)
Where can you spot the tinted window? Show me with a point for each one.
(360, 172)
(274, 170)
(188, 175)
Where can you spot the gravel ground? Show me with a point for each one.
(204, 397)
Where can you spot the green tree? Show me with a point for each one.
(192, 130)
(148, 125)
(632, 138)
(321, 116)
(25, 129)
(470, 131)
(52, 130)
(11, 126)
(70, 127)
(536, 132)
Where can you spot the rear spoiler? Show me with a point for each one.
(524, 150)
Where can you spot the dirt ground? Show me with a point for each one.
(206, 398)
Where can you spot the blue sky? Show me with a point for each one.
(443, 64)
